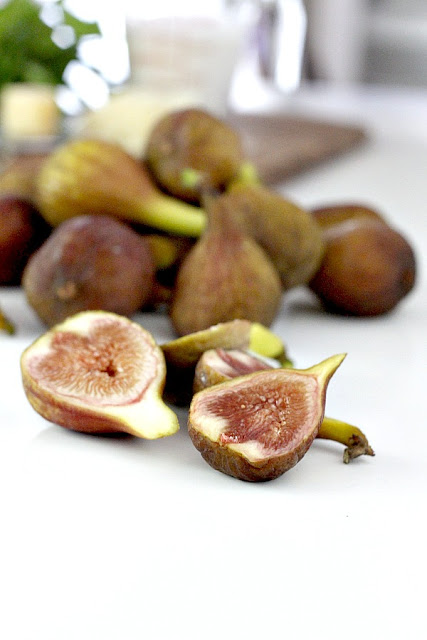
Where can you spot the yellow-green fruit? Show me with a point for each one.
(96, 177)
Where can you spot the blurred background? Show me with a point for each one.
(284, 44)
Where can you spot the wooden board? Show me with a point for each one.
(283, 145)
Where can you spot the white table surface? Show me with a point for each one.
(120, 538)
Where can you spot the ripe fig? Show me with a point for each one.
(226, 275)
(99, 372)
(183, 353)
(256, 427)
(89, 262)
(22, 231)
(192, 143)
(219, 365)
(288, 233)
(97, 177)
(19, 176)
(367, 268)
(331, 215)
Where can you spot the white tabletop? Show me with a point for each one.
(120, 538)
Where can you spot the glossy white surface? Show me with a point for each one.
(119, 538)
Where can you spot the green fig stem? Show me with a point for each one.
(248, 174)
(172, 215)
(352, 437)
(6, 325)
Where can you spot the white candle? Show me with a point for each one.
(28, 111)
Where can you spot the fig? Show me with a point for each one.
(190, 150)
(182, 354)
(218, 365)
(22, 231)
(258, 426)
(19, 176)
(367, 269)
(327, 216)
(226, 275)
(288, 233)
(99, 372)
(89, 263)
(97, 177)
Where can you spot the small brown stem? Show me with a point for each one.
(6, 325)
(352, 437)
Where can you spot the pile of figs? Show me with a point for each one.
(190, 229)
(94, 235)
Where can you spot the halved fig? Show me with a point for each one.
(182, 354)
(258, 426)
(218, 365)
(99, 372)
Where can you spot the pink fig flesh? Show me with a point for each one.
(257, 427)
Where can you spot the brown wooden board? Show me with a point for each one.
(282, 145)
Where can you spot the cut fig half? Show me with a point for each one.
(258, 426)
(99, 372)
(218, 365)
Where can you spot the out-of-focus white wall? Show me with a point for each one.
(382, 41)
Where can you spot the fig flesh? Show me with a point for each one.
(183, 353)
(99, 372)
(258, 426)
(219, 365)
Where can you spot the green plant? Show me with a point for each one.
(27, 51)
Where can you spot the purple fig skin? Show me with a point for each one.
(225, 276)
(193, 139)
(89, 263)
(22, 231)
(367, 268)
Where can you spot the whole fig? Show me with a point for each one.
(89, 263)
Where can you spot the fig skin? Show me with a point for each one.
(367, 269)
(193, 139)
(96, 177)
(330, 215)
(224, 421)
(89, 262)
(22, 231)
(225, 276)
(99, 373)
(288, 233)
(20, 174)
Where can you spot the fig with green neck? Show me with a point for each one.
(96, 177)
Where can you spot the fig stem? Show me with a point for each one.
(171, 215)
(6, 325)
(248, 174)
(347, 434)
